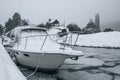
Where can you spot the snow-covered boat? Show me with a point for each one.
(34, 47)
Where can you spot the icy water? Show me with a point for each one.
(97, 64)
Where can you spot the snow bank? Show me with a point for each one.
(8, 70)
(114, 70)
(86, 61)
(102, 39)
(82, 75)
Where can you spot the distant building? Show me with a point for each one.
(97, 22)
(93, 27)
(90, 28)
(54, 22)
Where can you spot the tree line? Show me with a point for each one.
(16, 20)
(13, 22)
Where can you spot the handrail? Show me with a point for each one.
(34, 36)
(49, 34)
(65, 42)
(50, 39)
(26, 42)
(43, 42)
(75, 41)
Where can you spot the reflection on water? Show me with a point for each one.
(110, 70)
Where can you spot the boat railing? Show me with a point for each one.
(64, 40)
(32, 36)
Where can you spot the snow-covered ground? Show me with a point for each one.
(8, 70)
(102, 39)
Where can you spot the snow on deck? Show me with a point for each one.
(8, 70)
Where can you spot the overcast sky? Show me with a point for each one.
(77, 11)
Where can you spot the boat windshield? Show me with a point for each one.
(38, 39)
(32, 32)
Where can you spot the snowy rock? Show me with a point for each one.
(91, 54)
(114, 70)
(38, 75)
(94, 71)
(117, 78)
(85, 61)
(82, 75)
(72, 67)
(81, 64)
(110, 64)
(108, 57)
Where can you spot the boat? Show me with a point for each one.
(34, 47)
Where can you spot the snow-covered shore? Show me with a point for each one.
(8, 70)
(102, 39)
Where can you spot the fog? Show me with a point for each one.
(68, 11)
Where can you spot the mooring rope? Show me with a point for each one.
(43, 54)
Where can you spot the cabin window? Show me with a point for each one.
(26, 55)
(31, 32)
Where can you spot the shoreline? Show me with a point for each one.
(92, 46)
(105, 40)
(97, 47)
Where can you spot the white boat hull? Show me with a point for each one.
(35, 48)
(45, 61)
